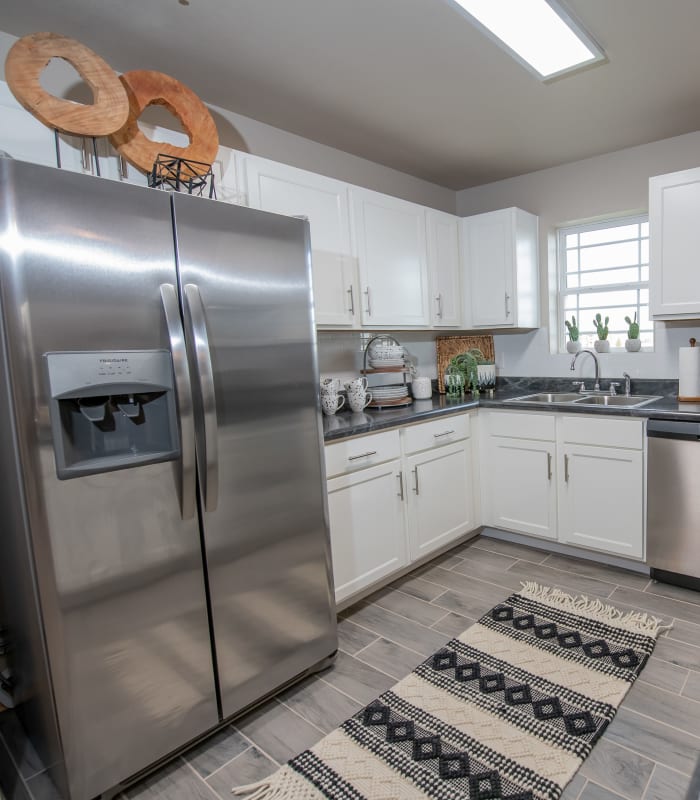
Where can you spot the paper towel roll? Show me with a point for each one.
(689, 374)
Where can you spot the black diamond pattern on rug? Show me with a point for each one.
(546, 631)
(502, 613)
(597, 649)
(454, 766)
(549, 708)
(376, 715)
(569, 639)
(625, 658)
(492, 683)
(445, 659)
(426, 747)
(518, 695)
(468, 672)
(524, 622)
(402, 731)
(485, 786)
(579, 724)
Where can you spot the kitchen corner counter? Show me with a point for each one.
(345, 424)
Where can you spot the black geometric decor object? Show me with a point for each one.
(182, 175)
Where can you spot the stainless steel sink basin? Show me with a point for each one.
(549, 397)
(619, 401)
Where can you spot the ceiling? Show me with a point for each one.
(405, 83)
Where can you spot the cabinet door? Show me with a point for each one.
(444, 266)
(488, 247)
(601, 499)
(519, 485)
(286, 190)
(440, 497)
(22, 136)
(393, 262)
(368, 539)
(674, 236)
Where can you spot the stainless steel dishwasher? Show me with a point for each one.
(673, 511)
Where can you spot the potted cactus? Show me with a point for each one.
(633, 344)
(573, 345)
(602, 345)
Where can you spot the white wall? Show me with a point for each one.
(249, 135)
(613, 184)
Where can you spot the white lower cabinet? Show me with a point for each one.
(384, 516)
(575, 479)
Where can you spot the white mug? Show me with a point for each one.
(358, 383)
(358, 401)
(422, 388)
(330, 385)
(331, 402)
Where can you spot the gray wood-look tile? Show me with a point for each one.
(679, 653)
(448, 560)
(657, 605)
(489, 593)
(417, 587)
(618, 769)
(653, 739)
(463, 604)
(666, 784)
(175, 781)
(41, 787)
(20, 748)
(509, 582)
(692, 686)
(453, 624)
(684, 631)
(555, 577)
(511, 549)
(216, 751)
(11, 783)
(574, 787)
(594, 792)
(603, 572)
(485, 558)
(320, 704)
(352, 638)
(358, 680)
(398, 629)
(664, 675)
(671, 709)
(391, 658)
(249, 767)
(407, 606)
(278, 731)
(674, 592)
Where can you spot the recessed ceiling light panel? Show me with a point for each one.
(538, 33)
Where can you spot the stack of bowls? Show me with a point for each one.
(383, 355)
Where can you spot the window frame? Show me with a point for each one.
(562, 292)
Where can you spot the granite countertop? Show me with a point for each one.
(345, 424)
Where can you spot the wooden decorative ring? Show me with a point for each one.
(147, 88)
(28, 58)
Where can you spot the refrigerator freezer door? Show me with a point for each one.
(119, 570)
(245, 275)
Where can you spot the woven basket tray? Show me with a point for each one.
(450, 346)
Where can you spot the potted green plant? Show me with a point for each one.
(573, 345)
(602, 345)
(633, 344)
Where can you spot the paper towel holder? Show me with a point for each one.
(689, 373)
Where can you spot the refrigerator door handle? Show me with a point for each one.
(188, 475)
(195, 318)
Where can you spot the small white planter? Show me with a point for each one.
(633, 345)
(573, 347)
(602, 346)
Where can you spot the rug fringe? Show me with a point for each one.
(284, 784)
(633, 621)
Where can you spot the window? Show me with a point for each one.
(604, 268)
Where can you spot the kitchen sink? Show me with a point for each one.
(575, 398)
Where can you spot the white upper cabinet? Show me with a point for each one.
(22, 136)
(444, 267)
(674, 235)
(500, 260)
(324, 201)
(393, 263)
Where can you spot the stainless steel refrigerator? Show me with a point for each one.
(164, 550)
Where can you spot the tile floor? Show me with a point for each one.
(651, 751)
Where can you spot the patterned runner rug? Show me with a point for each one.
(506, 711)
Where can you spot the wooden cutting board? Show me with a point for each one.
(26, 61)
(147, 88)
(450, 346)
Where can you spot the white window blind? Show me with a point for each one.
(604, 268)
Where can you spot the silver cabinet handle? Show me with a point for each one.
(369, 306)
(363, 455)
(85, 156)
(352, 301)
(123, 168)
(507, 304)
(566, 468)
(400, 477)
(444, 433)
(196, 322)
(549, 466)
(438, 300)
(183, 389)
(415, 480)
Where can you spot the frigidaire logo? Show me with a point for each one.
(113, 360)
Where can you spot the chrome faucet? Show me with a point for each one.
(596, 387)
(628, 383)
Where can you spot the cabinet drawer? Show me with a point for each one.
(522, 425)
(436, 433)
(366, 451)
(618, 432)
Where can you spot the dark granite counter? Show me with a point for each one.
(345, 424)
